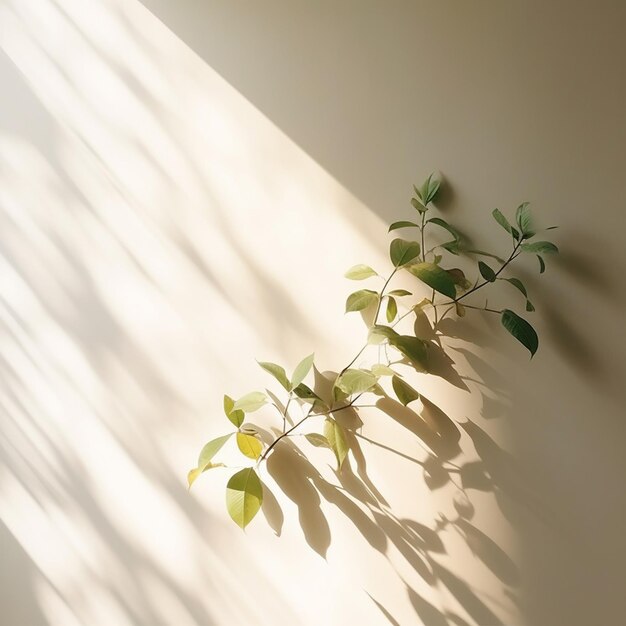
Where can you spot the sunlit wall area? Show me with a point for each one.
(174, 204)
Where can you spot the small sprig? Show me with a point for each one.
(450, 290)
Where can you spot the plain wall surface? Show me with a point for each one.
(182, 186)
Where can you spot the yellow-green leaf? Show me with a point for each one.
(302, 369)
(360, 272)
(402, 252)
(355, 381)
(404, 392)
(392, 309)
(277, 372)
(244, 496)
(236, 417)
(435, 277)
(336, 437)
(251, 402)
(196, 471)
(382, 370)
(211, 449)
(249, 445)
(360, 300)
(317, 440)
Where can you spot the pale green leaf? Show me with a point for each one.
(413, 348)
(443, 224)
(402, 224)
(355, 381)
(488, 254)
(499, 217)
(302, 369)
(236, 417)
(521, 330)
(336, 437)
(378, 334)
(251, 402)
(360, 300)
(382, 370)
(277, 372)
(211, 449)
(541, 247)
(435, 277)
(317, 440)
(244, 496)
(402, 252)
(392, 309)
(400, 292)
(418, 205)
(360, 272)
(249, 445)
(404, 392)
(523, 218)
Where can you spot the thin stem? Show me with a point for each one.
(380, 300)
(422, 234)
(306, 417)
(477, 287)
(482, 308)
(285, 412)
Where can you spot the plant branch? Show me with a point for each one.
(306, 417)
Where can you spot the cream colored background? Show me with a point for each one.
(182, 185)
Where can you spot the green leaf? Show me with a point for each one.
(452, 246)
(435, 277)
(529, 306)
(378, 334)
(542, 265)
(402, 224)
(251, 402)
(542, 247)
(336, 437)
(360, 300)
(317, 440)
(523, 218)
(305, 393)
(404, 392)
(413, 348)
(418, 205)
(382, 370)
(400, 292)
(302, 369)
(483, 253)
(355, 381)
(244, 496)
(277, 372)
(249, 445)
(392, 309)
(439, 222)
(518, 284)
(402, 252)
(428, 190)
(211, 449)
(360, 272)
(236, 417)
(521, 330)
(499, 217)
(486, 272)
(196, 471)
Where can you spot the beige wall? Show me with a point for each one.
(169, 213)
